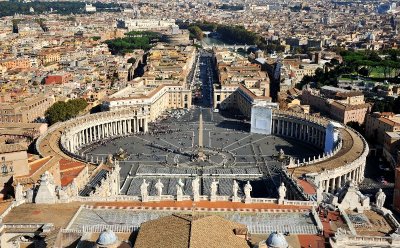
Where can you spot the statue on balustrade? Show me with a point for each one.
(380, 197)
(281, 193)
(235, 189)
(19, 195)
(214, 188)
(196, 189)
(159, 186)
(247, 190)
(110, 159)
(320, 196)
(144, 191)
(281, 155)
(179, 190)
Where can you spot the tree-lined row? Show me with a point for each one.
(63, 7)
(358, 63)
(132, 40)
(365, 62)
(62, 111)
(231, 35)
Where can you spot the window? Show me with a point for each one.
(4, 169)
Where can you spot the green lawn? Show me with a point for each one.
(378, 72)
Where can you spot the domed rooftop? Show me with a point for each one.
(277, 240)
(106, 237)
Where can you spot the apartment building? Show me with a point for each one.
(340, 104)
(25, 110)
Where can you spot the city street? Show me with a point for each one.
(204, 78)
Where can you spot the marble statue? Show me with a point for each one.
(281, 193)
(380, 197)
(159, 186)
(179, 190)
(350, 198)
(320, 196)
(196, 189)
(235, 189)
(281, 154)
(214, 189)
(110, 159)
(19, 194)
(144, 191)
(247, 190)
(292, 163)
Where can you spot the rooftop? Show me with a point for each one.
(177, 231)
(9, 148)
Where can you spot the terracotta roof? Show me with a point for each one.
(251, 94)
(66, 164)
(4, 205)
(68, 176)
(177, 231)
(37, 164)
(348, 106)
(308, 188)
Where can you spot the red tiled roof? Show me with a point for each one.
(68, 176)
(308, 188)
(66, 164)
(69, 170)
(37, 164)
(311, 241)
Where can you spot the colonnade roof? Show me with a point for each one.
(353, 147)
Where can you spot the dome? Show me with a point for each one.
(277, 240)
(106, 237)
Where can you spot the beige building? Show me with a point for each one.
(49, 56)
(340, 104)
(25, 110)
(169, 63)
(154, 101)
(241, 83)
(384, 130)
(16, 63)
(377, 124)
(13, 162)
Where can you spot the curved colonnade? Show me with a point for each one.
(331, 170)
(92, 128)
(79, 132)
(328, 170)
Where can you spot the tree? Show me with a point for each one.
(356, 126)
(196, 32)
(363, 71)
(62, 111)
(132, 60)
(133, 40)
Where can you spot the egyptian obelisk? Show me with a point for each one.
(200, 154)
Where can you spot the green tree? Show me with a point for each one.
(196, 32)
(363, 71)
(62, 111)
(132, 60)
(356, 126)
